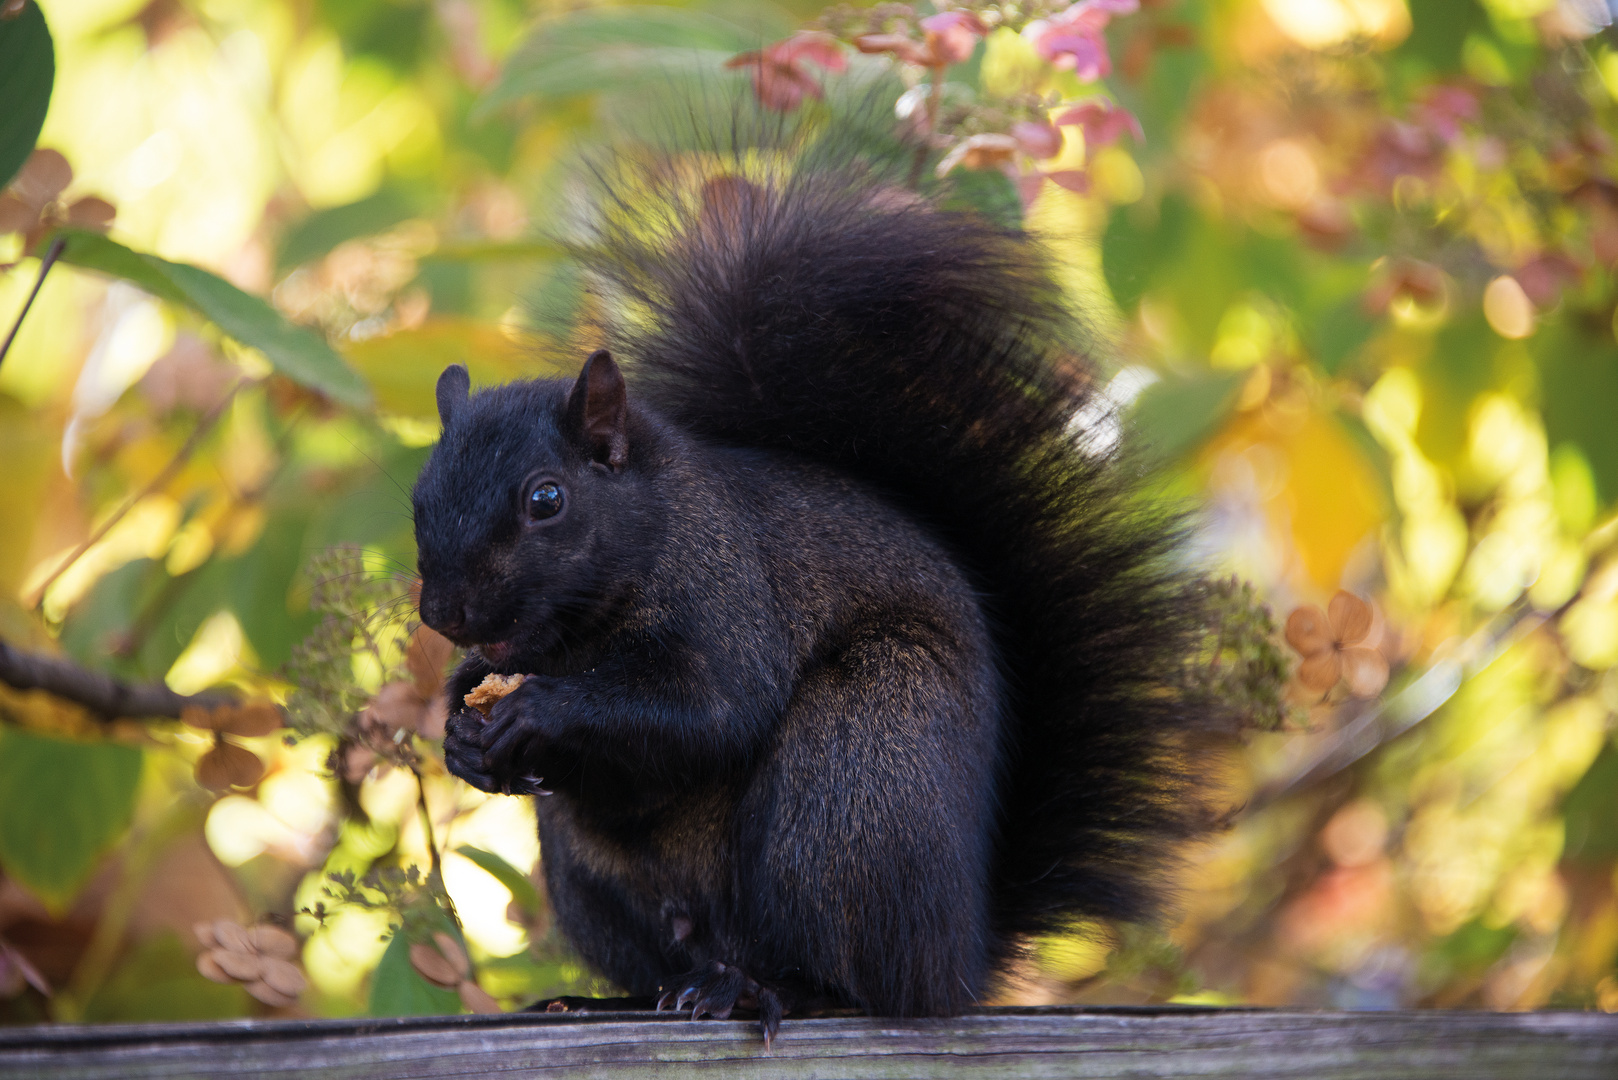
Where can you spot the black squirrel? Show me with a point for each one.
(854, 656)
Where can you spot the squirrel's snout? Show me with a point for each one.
(445, 614)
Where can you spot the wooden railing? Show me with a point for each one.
(1254, 1044)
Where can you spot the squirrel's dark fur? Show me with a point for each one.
(854, 656)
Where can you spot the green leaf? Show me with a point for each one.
(1140, 239)
(27, 70)
(620, 49)
(397, 988)
(1173, 416)
(522, 890)
(1590, 810)
(62, 803)
(1474, 947)
(404, 366)
(295, 351)
(159, 980)
(323, 230)
(1579, 378)
(1337, 333)
(988, 191)
(1438, 33)
(400, 33)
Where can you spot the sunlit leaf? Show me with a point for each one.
(323, 230)
(1139, 239)
(522, 890)
(397, 988)
(388, 30)
(1591, 813)
(62, 803)
(1580, 381)
(620, 49)
(1172, 416)
(403, 367)
(1438, 32)
(1460, 367)
(27, 70)
(26, 438)
(295, 351)
(158, 980)
(1338, 332)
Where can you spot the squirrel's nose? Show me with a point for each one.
(444, 614)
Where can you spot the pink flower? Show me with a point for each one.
(779, 78)
(1445, 108)
(1073, 179)
(952, 35)
(1037, 138)
(1073, 38)
(1543, 278)
(1102, 122)
(950, 39)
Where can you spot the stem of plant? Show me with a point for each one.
(51, 255)
(934, 99)
(432, 846)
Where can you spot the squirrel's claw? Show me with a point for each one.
(494, 755)
(717, 988)
(511, 738)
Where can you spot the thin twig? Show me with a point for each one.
(157, 483)
(106, 696)
(437, 873)
(44, 268)
(935, 97)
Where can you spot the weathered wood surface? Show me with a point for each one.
(1143, 1043)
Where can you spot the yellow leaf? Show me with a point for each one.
(403, 367)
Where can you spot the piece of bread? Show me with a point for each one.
(492, 689)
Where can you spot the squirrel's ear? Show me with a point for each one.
(453, 386)
(598, 411)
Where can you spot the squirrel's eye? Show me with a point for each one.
(544, 501)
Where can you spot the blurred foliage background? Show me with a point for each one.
(1352, 280)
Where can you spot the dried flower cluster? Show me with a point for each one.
(32, 204)
(258, 959)
(228, 764)
(401, 708)
(444, 964)
(1330, 643)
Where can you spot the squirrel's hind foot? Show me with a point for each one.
(716, 989)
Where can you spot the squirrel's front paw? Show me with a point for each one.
(499, 753)
(463, 749)
(716, 988)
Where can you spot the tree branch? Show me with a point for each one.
(108, 697)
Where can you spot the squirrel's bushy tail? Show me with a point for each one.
(826, 311)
